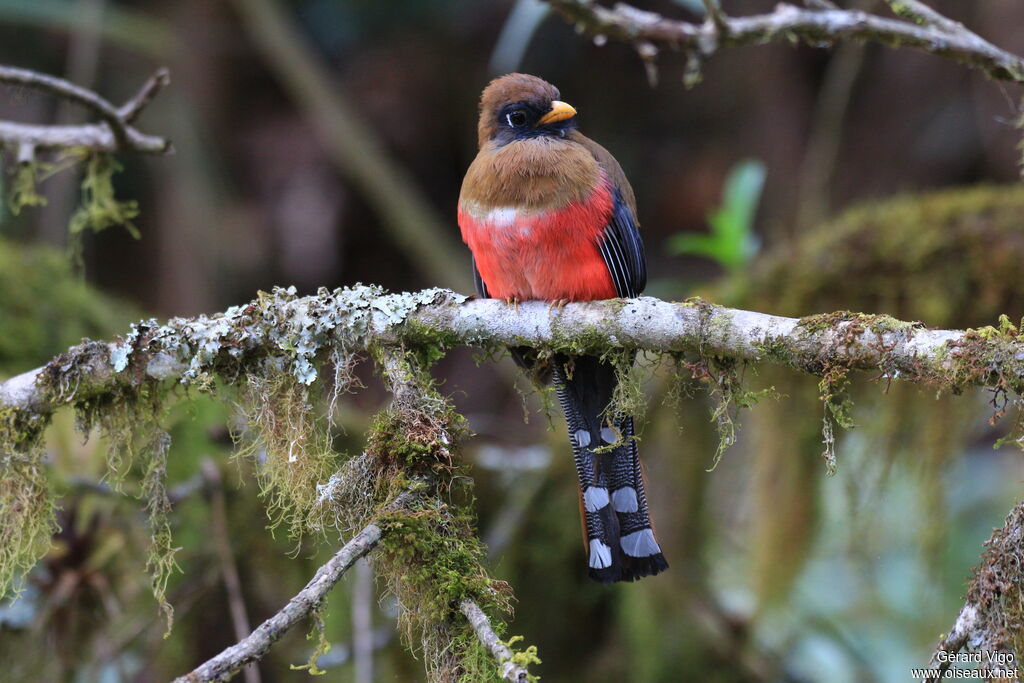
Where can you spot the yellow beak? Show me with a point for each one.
(559, 111)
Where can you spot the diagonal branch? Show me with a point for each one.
(113, 133)
(254, 646)
(924, 29)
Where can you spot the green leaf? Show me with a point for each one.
(731, 241)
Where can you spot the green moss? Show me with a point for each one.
(27, 507)
(293, 446)
(100, 208)
(429, 344)
(318, 634)
(950, 258)
(776, 349)
(833, 391)
(431, 559)
(23, 189)
(723, 379)
(161, 563)
(586, 341)
(524, 658)
(45, 308)
(430, 556)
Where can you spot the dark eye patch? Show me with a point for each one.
(516, 118)
(518, 115)
(518, 121)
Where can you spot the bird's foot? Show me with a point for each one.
(513, 301)
(557, 305)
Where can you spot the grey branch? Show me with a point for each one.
(112, 133)
(922, 28)
(254, 646)
(363, 317)
(482, 626)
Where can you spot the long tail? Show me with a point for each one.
(620, 541)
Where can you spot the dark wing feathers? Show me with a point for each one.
(481, 287)
(623, 250)
(621, 245)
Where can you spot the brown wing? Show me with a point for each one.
(611, 167)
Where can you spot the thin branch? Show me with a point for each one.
(131, 109)
(362, 623)
(228, 567)
(364, 317)
(814, 25)
(254, 646)
(923, 14)
(482, 626)
(113, 133)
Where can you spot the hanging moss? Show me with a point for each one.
(100, 208)
(27, 505)
(23, 188)
(317, 634)
(290, 443)
(430, 556)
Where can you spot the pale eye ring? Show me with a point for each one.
(516, 118)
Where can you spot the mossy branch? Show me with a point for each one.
(916, 26)
(298, 329)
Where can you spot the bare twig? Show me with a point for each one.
(482, 626)
(228, 567)
(922, 13)
(113, 133)
(362, 623)
(130, 110)
(254, 646)
(814, 25)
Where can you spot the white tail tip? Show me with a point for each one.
(600, 554)
(639, 544)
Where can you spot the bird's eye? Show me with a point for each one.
(516, 118)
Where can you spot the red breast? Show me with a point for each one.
(531, 252)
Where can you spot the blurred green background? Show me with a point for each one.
(323, 142)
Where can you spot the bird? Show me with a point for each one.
(548, 214)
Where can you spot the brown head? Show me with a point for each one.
(518, 106)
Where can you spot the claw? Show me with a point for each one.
(513, 301)
(558, 304)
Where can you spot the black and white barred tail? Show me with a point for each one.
(620, 541)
